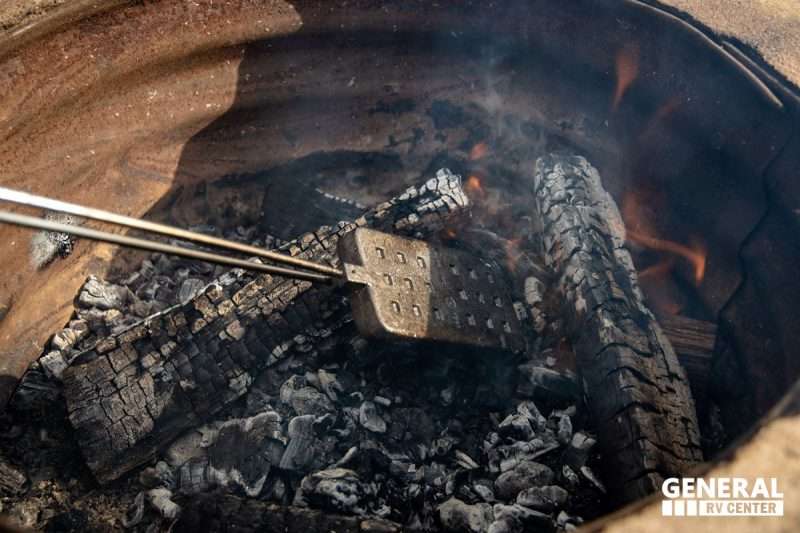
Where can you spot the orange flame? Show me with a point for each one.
(640, 232)
(478, 151)
(695, 254)
(626, 70)
(474, 185)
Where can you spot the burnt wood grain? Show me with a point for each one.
(636, 389)
(693, 340)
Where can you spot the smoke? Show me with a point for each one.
(45, 246)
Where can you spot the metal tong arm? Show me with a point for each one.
(32, 200)
(154, 246)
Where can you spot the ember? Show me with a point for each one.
(478, 151)
(473, 186)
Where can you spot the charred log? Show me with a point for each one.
(135, 392)
(637, 390)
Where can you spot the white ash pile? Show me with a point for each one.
(425, 453)
(107, 307)
(46, 246)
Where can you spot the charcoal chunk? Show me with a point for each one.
(517, 519)
(190, 288)
(300, 450)
(457, 516)
(101, 294)
(545, 499)
(335, 489)
(369, 418)
(524, 475)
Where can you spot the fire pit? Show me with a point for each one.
(576, 131)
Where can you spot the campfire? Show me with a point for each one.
(574, 344)
(254, 385)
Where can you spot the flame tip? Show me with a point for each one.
(626, 70)
(478, 151)
(642, 233)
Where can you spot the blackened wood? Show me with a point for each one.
(12, 480)
(636, 389)
(136, 391)
(693, 341)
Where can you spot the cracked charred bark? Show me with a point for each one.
(135, 392)
(637, 391)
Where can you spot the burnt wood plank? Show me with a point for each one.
(693, 341)
(136, 391)
(637, 390)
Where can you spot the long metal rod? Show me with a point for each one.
(153, 246)
(24, 198)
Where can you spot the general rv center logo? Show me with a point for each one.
(721, 496)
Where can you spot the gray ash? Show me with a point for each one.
(46, 246)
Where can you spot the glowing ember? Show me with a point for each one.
(478, 151)
(627, 69)
(474, 186)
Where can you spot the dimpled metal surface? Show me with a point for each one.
(409, 289)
